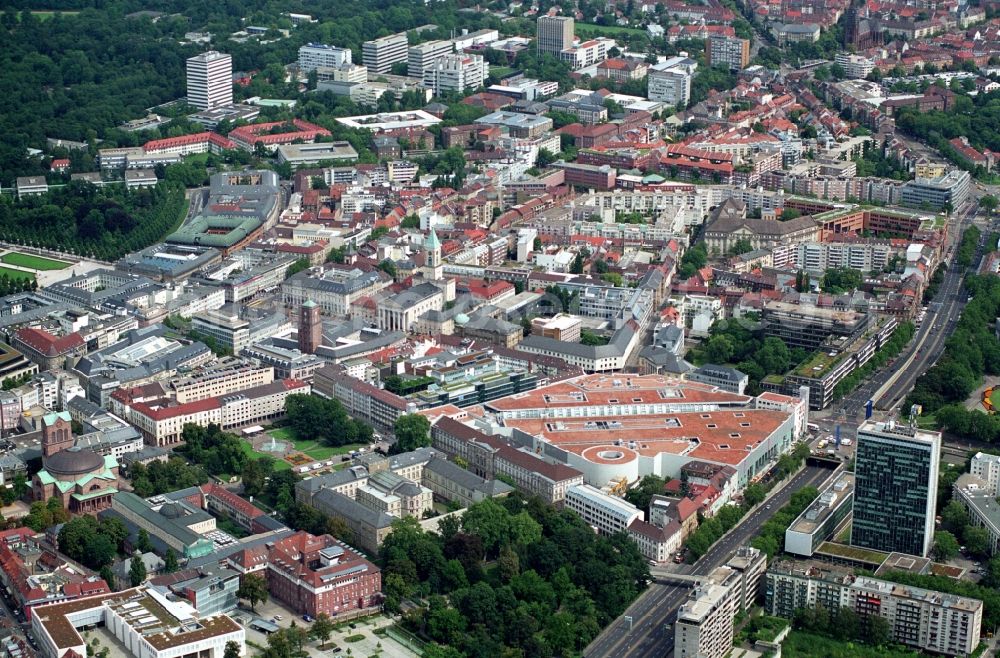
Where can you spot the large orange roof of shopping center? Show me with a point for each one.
(724, 437)
(596, 390)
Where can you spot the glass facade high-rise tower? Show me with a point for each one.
(895, 488)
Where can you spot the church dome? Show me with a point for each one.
(73, 461)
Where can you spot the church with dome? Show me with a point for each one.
(84, 480)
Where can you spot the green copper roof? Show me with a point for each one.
(432, 241)
(309, 303)
(50, 419)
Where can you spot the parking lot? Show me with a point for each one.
(369, 645)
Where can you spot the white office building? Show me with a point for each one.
(456, 73)
(314, 55)
(210, 80)
(422, 56)
(380, 54)
(146, 623)
(607, 514)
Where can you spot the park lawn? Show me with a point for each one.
(196, 159)
(606, 30)
(321, 452)
(500, 71)
(311, 447)
(16, 274)
(279, 464)
(33, 262)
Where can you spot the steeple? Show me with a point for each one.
(432, 256)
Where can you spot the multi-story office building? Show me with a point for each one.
(554, 34)
(987, 468)
(315, 55)
(210, 80)
(704, 627)
(895, 489)
(380, 54)
(670, 81)
(423, 55)
(820, 520)
(608, 514)
(952, 190)
(721, 50)
(802, 325)
(455, 73)
(923, 619)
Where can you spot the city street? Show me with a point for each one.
(653, 614)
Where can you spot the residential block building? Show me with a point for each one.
(925, 620)
(704, 626)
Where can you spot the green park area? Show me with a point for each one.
(33, 262)
(311, 447)
(16, 274)
(589, 29)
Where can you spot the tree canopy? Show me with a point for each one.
(515, 573)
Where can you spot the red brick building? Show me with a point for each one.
(314, 574)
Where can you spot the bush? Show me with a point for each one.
(354, 638)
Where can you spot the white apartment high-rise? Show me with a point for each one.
(895, 488)
(670, 81)
(314, 55)
(423, 55)
(456, 73)
(210, 80)
(554, 34)
(380, 54)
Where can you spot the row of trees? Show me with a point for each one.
(844, 625)
(956, 526)
(103, 222)
(968, 246)
(771, 538)
(970, 352)
(312, 417)
(892, 347)
(515, 574)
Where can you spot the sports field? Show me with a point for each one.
(33, 262)
(16, 274)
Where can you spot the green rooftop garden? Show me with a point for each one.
(819, 364)
(852, 552)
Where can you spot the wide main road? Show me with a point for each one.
(653, 613)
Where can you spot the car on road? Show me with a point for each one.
(276, 618)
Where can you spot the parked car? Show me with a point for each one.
(307, 618)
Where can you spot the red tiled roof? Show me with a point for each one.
(197, 138)
(45, 343)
